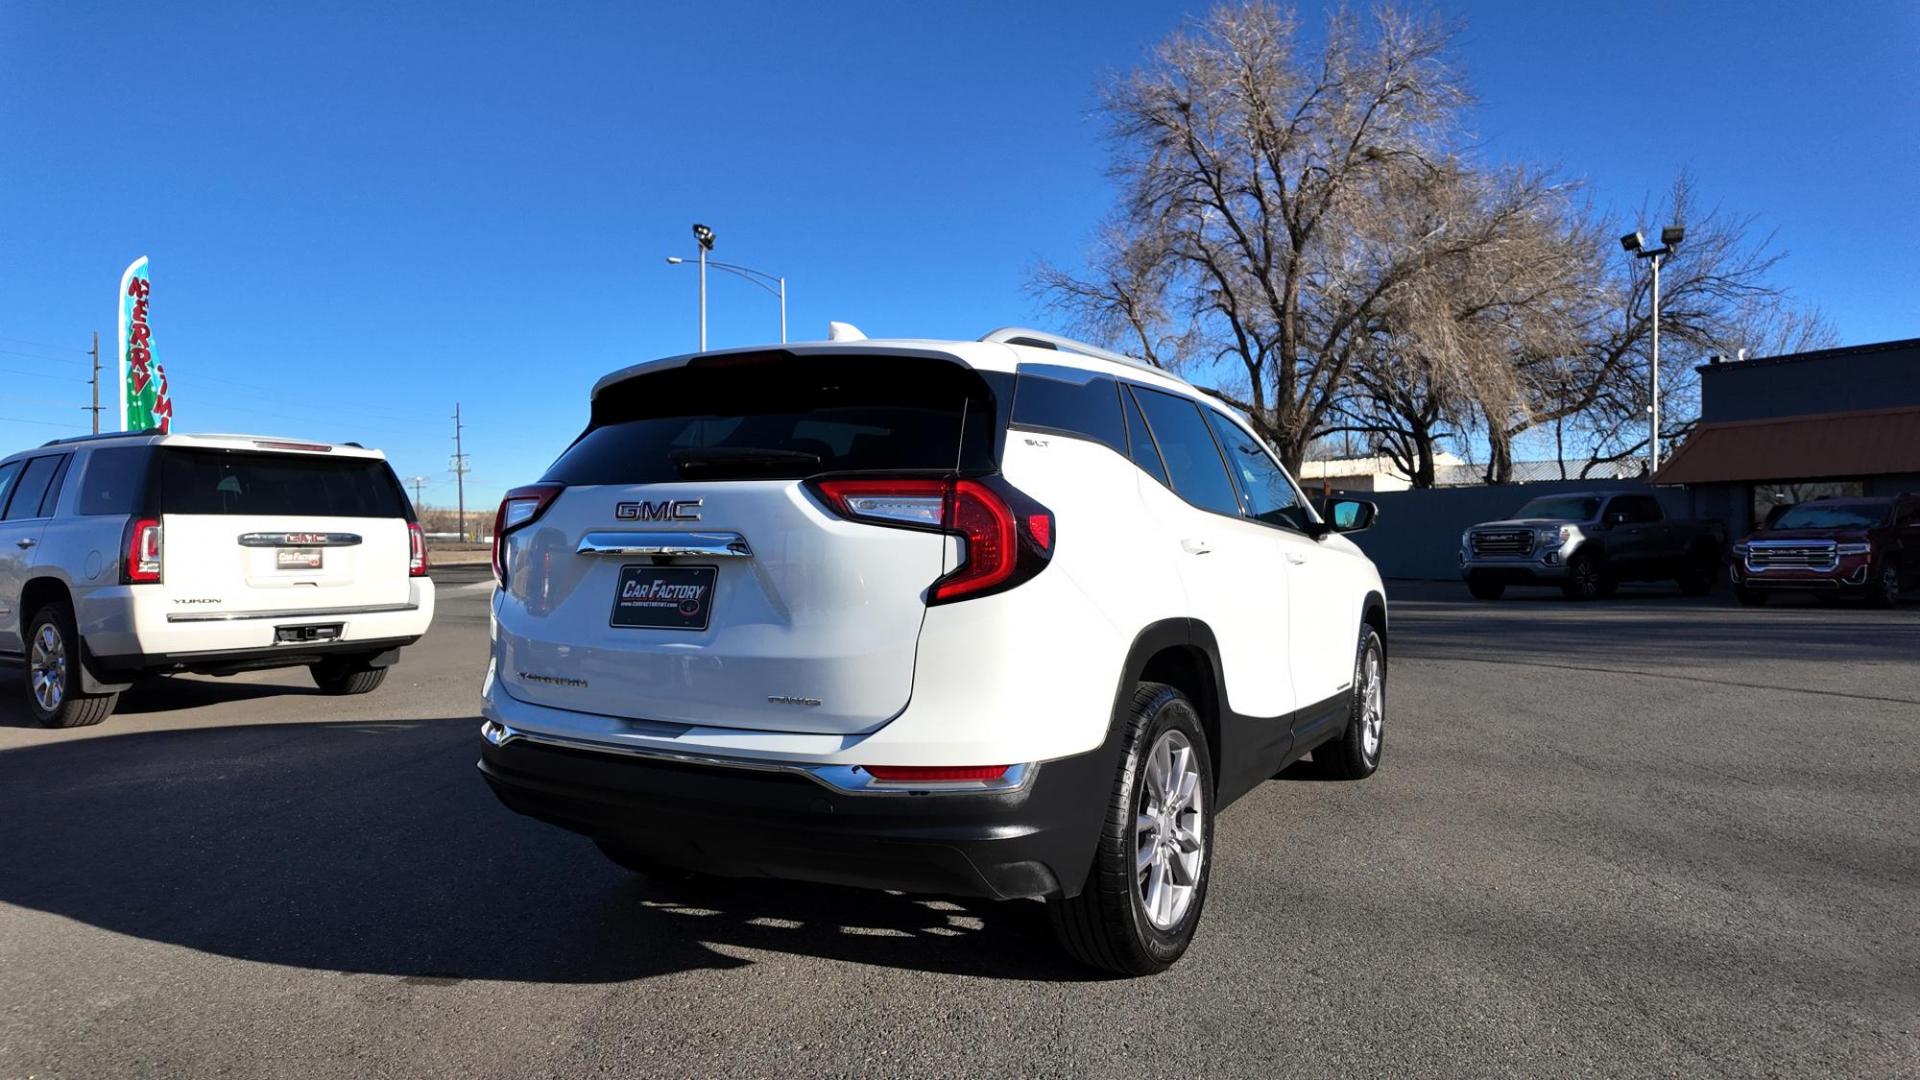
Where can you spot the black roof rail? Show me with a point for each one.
(68, 439)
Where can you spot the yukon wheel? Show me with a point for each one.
(53, 673)
(1885, 590)
(1143, 896)
(1585, 579)
(1355, 753)
(346, 675)
(1484, 589)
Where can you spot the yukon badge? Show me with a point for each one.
(664, 510)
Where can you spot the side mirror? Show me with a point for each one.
(1349, 515)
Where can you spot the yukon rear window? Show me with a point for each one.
(238, 482)
(776, 416)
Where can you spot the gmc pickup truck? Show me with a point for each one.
(1832, 547)
(1589, 542)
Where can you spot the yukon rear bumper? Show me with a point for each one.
(128, 627)
(746, 820)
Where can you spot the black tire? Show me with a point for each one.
(628, 859)
(1107, 926)
(1750, 597)
(345, 675)
(1699, 579)
(1884, 591)
(53, 648)
(1483, 589)
(1586, 579)
(1347, 756)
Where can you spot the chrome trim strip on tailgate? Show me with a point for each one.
(298, 539)
(229, 616)
(851, 779)
(708, 545)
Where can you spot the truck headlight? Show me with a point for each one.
(1557, 535)
(1856, 549)
(1741, 550)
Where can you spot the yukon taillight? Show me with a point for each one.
(1006, 537)
(142, 563)
(521, 507)
(416, 551)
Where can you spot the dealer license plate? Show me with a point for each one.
(664, 597)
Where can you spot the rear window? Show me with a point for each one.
(1070, 401)
(114, 481)
(780, 417)
(238, 482)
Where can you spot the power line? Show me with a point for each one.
(42, 423)
(42, 344)
(38, 356)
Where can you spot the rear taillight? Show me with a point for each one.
(521, 507)
(1006, 537)
(142, 563)
(416, 550)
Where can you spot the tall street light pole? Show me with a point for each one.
(773, 284)
(1636, 245)
(704, 237)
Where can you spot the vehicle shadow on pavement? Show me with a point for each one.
(376, 848)
(155, 695)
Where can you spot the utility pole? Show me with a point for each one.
(416, 481)
(95, 407)
(460, 471)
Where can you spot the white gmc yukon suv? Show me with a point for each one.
(1006, 618)
(139, 554)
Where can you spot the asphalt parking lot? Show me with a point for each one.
(1650, 836)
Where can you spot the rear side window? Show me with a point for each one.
(238, 482)
(1638, 508)
(31, 489)
(1193, 461)
(781, 417)
(9, 474)
(1270, 495)
(1071, 401)
(114, 481)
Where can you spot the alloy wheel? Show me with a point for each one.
(47, 668)
(1169, 831)
(1373, 704)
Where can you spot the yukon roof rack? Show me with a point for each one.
(66, 439)
(1040, 339)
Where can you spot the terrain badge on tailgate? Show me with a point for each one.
(553, 680)
(789, 699)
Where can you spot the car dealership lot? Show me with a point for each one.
(1649, 835)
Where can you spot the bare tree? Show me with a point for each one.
(1447, 338)
(1717, 296)
(1244, 167)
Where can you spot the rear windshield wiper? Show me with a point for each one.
(716, 462)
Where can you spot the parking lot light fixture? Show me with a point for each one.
(772, 283)
(1635, 244)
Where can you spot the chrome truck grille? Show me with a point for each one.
(1503, 542)
(1792, 555)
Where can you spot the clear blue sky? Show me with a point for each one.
(359, 216)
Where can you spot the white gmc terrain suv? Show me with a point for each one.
(137, 554)
(1006, 618)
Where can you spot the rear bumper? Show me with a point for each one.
(116, 667)
(132, 625)
(746, 820)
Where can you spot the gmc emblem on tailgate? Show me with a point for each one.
(664, 510)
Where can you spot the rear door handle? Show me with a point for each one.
(1296, 558)
(26, 542)
(1195, 547)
